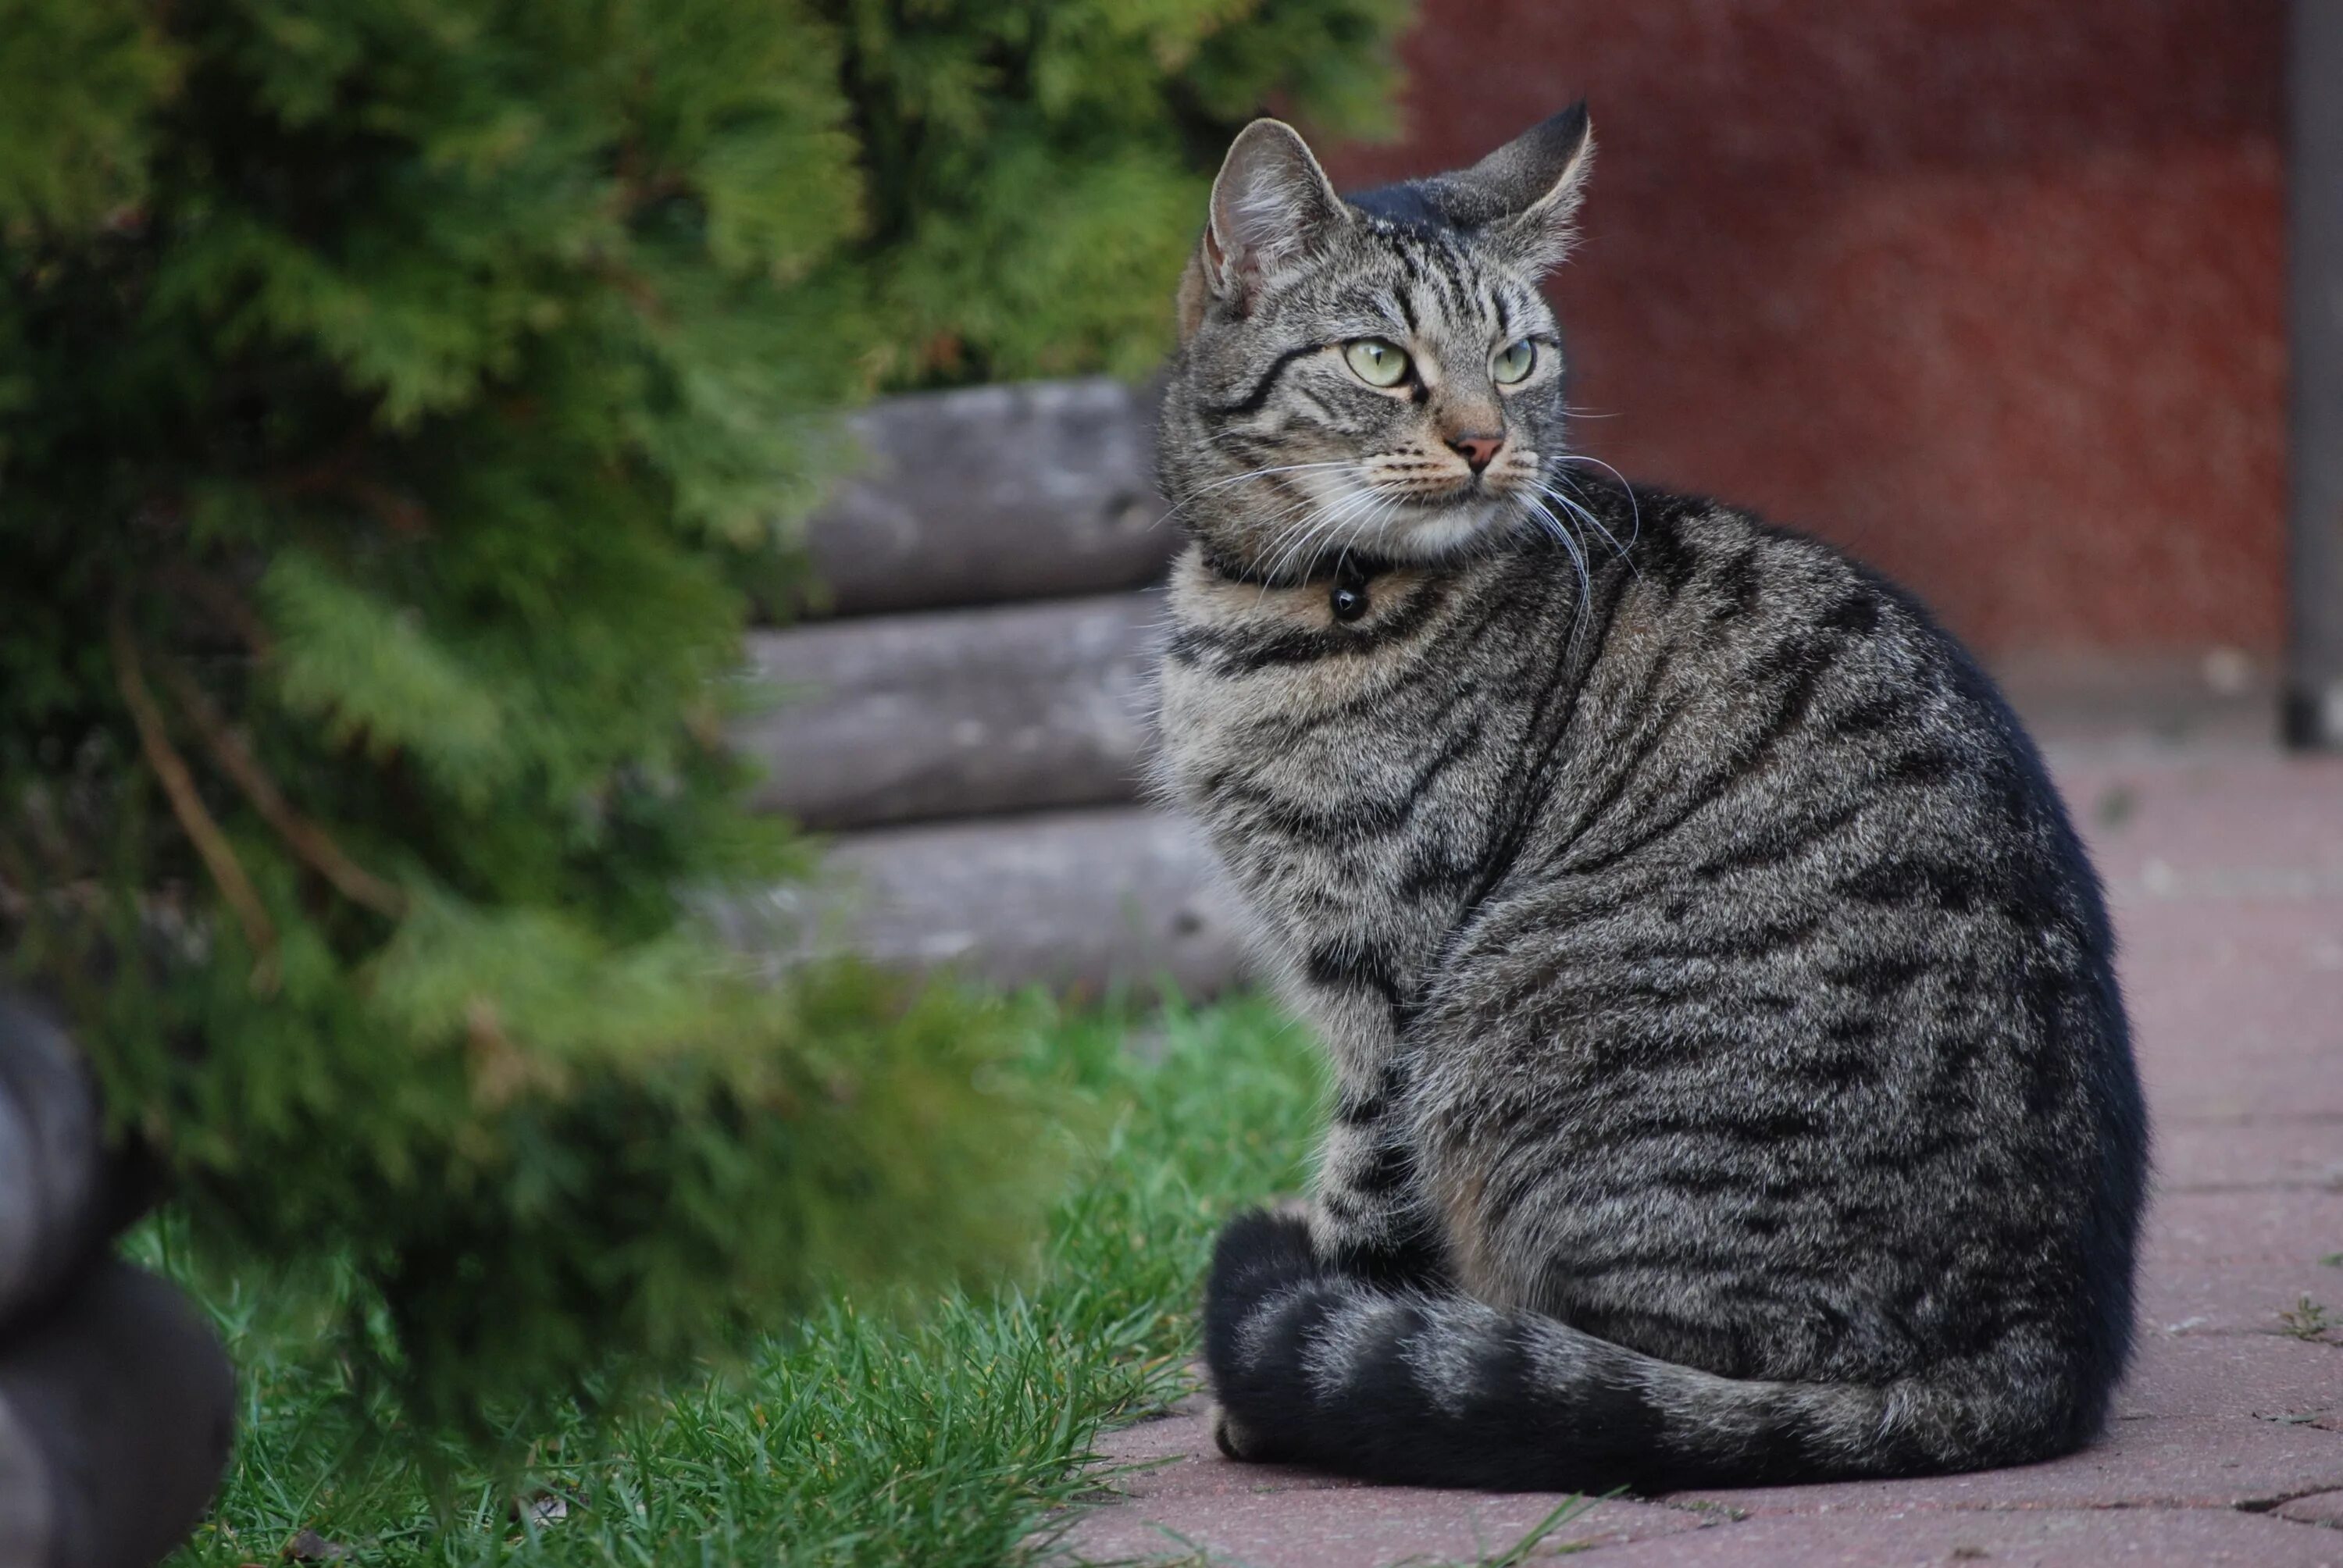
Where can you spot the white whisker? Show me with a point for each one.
(1305, 537)
(1631, 501)
(1222, 484)
(1560, 532)
(1586, 515)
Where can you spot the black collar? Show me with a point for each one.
(1351, 569)
(1345, 578)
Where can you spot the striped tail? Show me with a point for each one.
(1314, 1367)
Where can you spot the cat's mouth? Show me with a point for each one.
(1463, 489)
(1421, 517)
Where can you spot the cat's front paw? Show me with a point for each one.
(1233, 1440)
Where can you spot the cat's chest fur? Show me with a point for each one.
(1351, 775)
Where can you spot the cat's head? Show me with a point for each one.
(1378, 376)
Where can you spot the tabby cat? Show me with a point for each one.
(1731, 1080)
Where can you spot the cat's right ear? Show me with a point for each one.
(1272, 205)
(1530, 190)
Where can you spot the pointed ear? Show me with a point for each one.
(1529, 188)
(1273, 206)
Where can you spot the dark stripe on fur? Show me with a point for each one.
(1255, 400)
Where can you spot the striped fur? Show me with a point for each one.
(1732, 1081)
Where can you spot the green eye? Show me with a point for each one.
(1513, 362)
(1375, 362)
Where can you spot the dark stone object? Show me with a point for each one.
(117, 1413)
(116, 1403)
(53, 1164)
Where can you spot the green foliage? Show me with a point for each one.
(1039, 168)
(398, 399)
(73, 141)
(876, 1431)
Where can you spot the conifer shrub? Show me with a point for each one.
(399, 400)
(1039, 168)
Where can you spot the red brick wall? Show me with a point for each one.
(1989, 290)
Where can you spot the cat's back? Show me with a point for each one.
(1777, 759)
(1765, 706)
(1797, 921)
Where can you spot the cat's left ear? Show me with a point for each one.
(1272, 207)
(1530, 190)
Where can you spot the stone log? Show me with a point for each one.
(1084, 902)
(953, 713)
(1038, 489)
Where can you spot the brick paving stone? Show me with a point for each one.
(2275, 1224)
(1183, 1492)
(2200, 812)
(2184, 1462)
(2168, 1538)
(2203, 1423)
(2195, 1154)
(2231, 1263)
(1175, 1456)
(2224, 873)
(1319, 1527)
(2230, 1298)
(2230, 1376)
(2233, 1008)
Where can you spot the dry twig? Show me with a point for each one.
(195, 818)
(306, 840)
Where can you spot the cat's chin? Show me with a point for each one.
(1432, 532)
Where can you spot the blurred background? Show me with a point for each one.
(1995, 297)
(1993, 294)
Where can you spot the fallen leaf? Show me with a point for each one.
(308, 1546)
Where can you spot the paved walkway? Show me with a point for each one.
(2225, 865)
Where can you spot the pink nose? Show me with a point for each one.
(1476, 450)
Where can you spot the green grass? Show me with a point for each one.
(2312, 1320)
(937, 1431)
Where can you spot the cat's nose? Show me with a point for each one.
(1477, 450)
